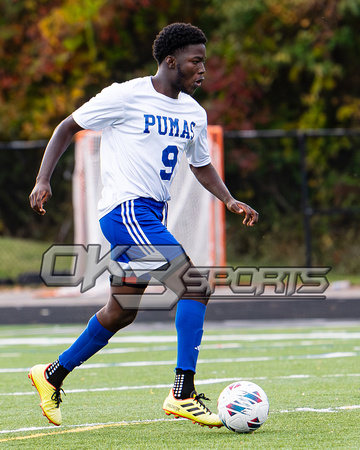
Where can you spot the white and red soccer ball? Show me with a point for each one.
(243, 407)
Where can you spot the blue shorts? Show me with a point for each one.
(138, 236)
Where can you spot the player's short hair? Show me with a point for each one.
(174, 37)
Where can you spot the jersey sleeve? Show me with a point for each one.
(103, 110)
(197, 151)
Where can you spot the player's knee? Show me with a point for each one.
(121, 318)
(113, 317)
(126, 318)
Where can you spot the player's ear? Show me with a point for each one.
(170, 61)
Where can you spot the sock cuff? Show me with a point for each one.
(179, 371)
(97, 330)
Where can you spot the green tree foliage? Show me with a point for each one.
(290, 63)
(56, 54)
(272, 63)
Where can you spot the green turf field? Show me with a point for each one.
(311, 376)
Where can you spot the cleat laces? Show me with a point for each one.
(56, 396)
(198, 398)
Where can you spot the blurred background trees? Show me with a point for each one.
(272, 64)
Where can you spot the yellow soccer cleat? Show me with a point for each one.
(49, 395)
(191, 408)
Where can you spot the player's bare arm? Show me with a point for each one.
(211, 181)
(57, 145)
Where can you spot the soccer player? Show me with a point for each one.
(147, 123)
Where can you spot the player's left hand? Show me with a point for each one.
(251, 216)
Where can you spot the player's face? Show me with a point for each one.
(190, 68)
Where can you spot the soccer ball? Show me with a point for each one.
(243, 407)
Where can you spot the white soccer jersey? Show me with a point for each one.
(144, 134)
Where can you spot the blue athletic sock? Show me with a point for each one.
(189, 321)
(92, 339)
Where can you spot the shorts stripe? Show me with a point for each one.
(165, 214)
(129, 228)
(136, 223)
(134, 229)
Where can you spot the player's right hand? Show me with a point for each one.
(39, 196)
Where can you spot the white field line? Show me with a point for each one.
(10, 355)
(144, 339)
(198, 383)
(78, 428)
(163, 348)
(200, 361)
(322, 410)
(95, 426)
